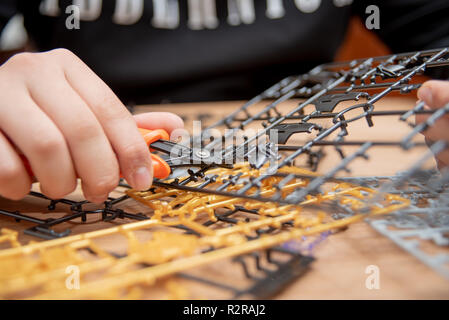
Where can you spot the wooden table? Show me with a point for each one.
(341, 260)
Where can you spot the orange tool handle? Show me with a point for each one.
(161, 169)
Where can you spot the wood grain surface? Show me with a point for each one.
(341, 259)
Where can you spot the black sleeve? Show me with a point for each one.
(8, 8)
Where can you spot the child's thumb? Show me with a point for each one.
(434, 93)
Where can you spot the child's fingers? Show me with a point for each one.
(159, 120)
(443, 159)
(41, 142)
(92, 155)
(69, 123)
(434, 93)
(419, 118)
(120, 128)
(438, 131)
(14, 180)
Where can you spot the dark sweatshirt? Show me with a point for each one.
(151, 51)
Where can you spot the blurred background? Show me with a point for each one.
(359, 42)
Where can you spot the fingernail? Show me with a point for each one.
(425, 94)
(142, 178)
(98, 199)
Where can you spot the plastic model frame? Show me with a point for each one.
(199, 216)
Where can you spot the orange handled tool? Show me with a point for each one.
(161, 169)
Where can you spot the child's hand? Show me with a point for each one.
(69, 124)
(435, 94)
